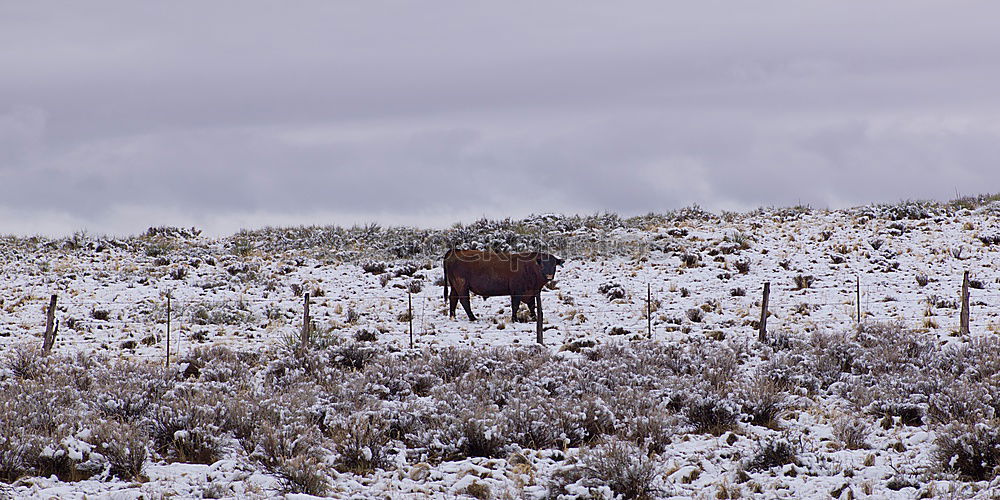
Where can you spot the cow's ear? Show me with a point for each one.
(560, 262)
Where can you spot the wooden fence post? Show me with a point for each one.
(304, 339)
(51, 327)
(964, 328)
(538, 318)
(168, 330)
(409, 314)
(649, 312)
(763, 311)
(858, 298)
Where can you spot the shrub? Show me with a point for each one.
(25, 361)
(710, 415)
(803, 281)
(612, 291)
(361, 443)
(763, 402)
(742, 265)
(373, 267)
(695, 314)
(989, 239)
(365, 335)
(690, 260)
(774, 453)
(851, 432)
(352, 356)
(273, 443)
(178, 273)
(123, 446)
(303, 474)
(623, 467)
(973, 450)
(481, 436)
(406, 269)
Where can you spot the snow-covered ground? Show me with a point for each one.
(705, 276)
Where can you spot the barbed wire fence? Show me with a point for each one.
(163, 319)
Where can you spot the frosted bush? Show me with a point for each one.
(361, 442)
(623, 467)
(973, 450)
(773, 453)
(851, 432)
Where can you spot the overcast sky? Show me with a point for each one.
(117, 116)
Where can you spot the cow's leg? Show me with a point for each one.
(530, 301)
(452, 302)
(464, 299)
(515, 303)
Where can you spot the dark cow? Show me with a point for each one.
(489, 274)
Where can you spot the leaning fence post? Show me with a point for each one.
(51, 327)
(763, 311)
(538, 318)
(964, 328)
(304, 340)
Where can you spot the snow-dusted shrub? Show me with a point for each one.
(645, 418)
(762, 401)
(184, 427)
(773, 453)
(690, 259)
(221, 313)
(909, 209)
(612, 291)
(622, 466)
(742, 265)
(276, 442)
(695, 314)
(530, 423)
(365, 335)
(450, 363)
(709, 414)
(481, 434)
(584, 420)
(890, 347)
(373, 267)
(405, 269)
(352, 356)
(303, 474)
(803, 281)
(18, 453)
(121, 446)
(989, 239)
(361, 442)
(851, 432)
(127, 404)
(25, 361)
(221, 364)
(972, 450)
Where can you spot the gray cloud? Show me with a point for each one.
(231, 115)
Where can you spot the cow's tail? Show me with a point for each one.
(444, 266)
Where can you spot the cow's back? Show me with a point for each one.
(490, 273)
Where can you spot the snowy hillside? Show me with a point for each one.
(897, 403)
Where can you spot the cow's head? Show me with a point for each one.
(548, 264)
